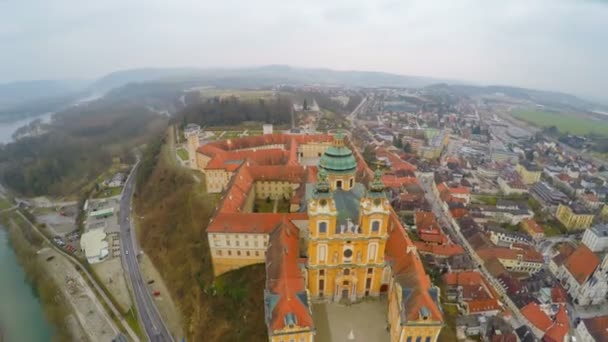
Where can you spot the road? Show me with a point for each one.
(149, 317)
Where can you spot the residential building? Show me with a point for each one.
(574, 217)
(94, 245)
(504, 237)
(533, 229)
(543, 326)
(593, 329)
(472, 292)
(596, 238)
(514, 259)
(584, 276)
(548, 195)
(529, 173)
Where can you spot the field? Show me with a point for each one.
(245, 95)
(182, 153)
(565, 123)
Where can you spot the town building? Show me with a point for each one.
(192, 133)
(574, 217)
(95, 246)
(548, 195)
(472, 292)
(504, 237)
(340, 240)
(528, 172)
(584, 276)
(533, 229)
(545, 324)
(524, 259)
(596, 238)
(593, 329)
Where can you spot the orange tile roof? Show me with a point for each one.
(560, 327)
(536, 316)
(459, 190)
(533, 225)
(446, 250)
(409, 272)
(286, 298)
(528, 254)
(582, 263)
(483, 305)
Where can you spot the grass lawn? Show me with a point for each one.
(283, 206)
(109, 192)
(553, 228)
(4, 203)
(182, 153)
(263, 206)
(564, 122)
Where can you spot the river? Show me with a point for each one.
(8, 128)
(21, 314)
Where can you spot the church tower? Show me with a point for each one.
(347, 230)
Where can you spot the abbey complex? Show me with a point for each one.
(336, 239)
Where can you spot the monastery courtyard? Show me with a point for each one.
(335, 321)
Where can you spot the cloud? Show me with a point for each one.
(549, 44)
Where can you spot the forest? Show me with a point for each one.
(79, 145)
(231, 111)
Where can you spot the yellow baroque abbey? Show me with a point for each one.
(340, 240)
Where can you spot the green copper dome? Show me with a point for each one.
(338, 158)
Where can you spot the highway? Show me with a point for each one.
(149, 317)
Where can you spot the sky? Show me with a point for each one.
(544, 44)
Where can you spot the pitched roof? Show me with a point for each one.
(582, 263)
(446, 250)
(596, 327)
(419, 294)
(536, 316)
(560, 327)
(533, 225)
(285, 297)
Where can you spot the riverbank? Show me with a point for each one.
(25, 245)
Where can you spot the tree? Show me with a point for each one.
(369, 154)
(397, 142)
(407, 147)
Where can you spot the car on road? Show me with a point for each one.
(126, 251)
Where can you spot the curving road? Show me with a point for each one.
(149, 317)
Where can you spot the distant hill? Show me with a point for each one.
(19, 100)
(263, 76)
(16, 93)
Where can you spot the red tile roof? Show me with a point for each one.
(536, 316)
(582, 263)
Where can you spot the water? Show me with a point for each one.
(8, 128)
(21, 314)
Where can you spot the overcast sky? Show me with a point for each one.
(546, 44)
